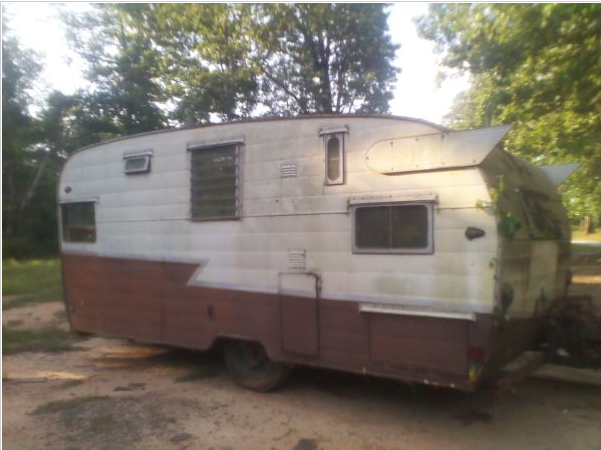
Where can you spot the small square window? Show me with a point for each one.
(79, 222)
(138, 163)
(393, 228)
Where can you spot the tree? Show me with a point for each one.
(325, 58)
(123, 68)
(19, 129)
(230, 61)
(537, 66)
(35, 148)
(203, 49)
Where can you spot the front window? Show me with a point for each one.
(79, 222)
(398, 228)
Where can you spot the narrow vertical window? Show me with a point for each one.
(334, 149)
(333, 158)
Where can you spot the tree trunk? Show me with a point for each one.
(32, 187)
(8, 198)
(586, 225)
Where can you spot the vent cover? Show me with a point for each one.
(137, 161)
(288, 171)
(297, 259)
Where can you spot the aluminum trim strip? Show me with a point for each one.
(402, 311)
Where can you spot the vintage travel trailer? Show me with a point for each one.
(374, 244)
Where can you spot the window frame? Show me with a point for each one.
(146, 154)
(237, 144)
(428, 250)
(340, 135)
(62, 224)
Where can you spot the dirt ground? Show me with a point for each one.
(114, 394)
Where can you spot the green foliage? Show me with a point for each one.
(229, 61)
(19, 129)
(536, 66)
(508, 225)
(123, 69)
(31, 281)
(203, 52)
(326, 58)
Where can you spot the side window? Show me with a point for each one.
(397, 228)
(79, 222)
(334, 155)
(215, 182)
(137, 162)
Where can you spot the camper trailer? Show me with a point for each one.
(377, 245)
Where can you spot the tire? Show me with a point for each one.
(251, 367)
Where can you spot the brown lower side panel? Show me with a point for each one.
(150, 301)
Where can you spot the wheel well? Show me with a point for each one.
(220, 341)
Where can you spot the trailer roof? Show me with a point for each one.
(267, 119)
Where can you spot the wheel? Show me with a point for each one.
(251, 367)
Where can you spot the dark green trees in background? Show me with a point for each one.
(123, 69)
(230, 61)
(19, 132)
(325, 58)
(537, 66)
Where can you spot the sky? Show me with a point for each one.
(38, 27)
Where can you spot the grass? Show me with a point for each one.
(580, 236)
(44, 340)
(32, 281)
(585, 251)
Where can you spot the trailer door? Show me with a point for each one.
(299, 313)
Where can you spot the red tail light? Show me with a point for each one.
(476, 354)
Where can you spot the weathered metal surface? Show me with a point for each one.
(299, 328)
(150, 301)
(445, 150)
(419, 342)
(558, 173)
(227, 281)
(534, 238)
(149, 217)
